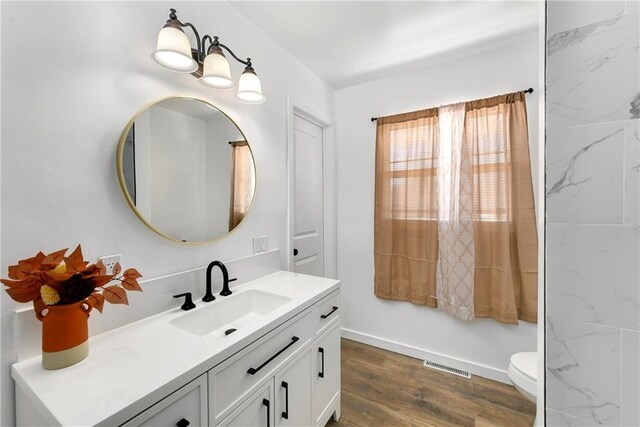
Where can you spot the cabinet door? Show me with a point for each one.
(293, 392)
(256, 411)
(231, 382)
(326, 375)
(187, 406)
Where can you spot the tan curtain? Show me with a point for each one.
(473, 250)
(506, 240)
(406, 207)
(242, 182)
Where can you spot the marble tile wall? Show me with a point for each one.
(593, 213)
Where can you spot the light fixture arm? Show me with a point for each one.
(202, 51)
(247, 62)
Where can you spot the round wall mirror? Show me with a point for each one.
(186, 170)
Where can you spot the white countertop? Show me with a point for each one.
(131, 368)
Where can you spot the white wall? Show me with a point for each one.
(481, 345)
(177, 174)
(60, 130)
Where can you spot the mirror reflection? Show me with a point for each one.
(187, 170)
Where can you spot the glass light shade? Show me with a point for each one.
(174, 51)
(216, 72)
(250, 89)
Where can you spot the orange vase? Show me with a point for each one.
(65, 334)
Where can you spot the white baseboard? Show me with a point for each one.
(419, 353)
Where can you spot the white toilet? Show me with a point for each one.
(523, 373)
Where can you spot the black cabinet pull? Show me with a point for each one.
(252, 371)
(295, 252)
(321, 351)
(324, 316)
(265, 402)
(183, 423)
(285, 413)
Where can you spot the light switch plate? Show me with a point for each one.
(260, 244)
(110, 261)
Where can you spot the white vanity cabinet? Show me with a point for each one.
(284, 374)
(292, 375)
(231, 382)
(284, 400)
(187, 406)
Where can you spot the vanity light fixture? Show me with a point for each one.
(210, 65)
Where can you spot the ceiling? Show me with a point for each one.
(350, 42)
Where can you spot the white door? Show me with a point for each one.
(308, 204)
(293, 393)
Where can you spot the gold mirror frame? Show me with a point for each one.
(125, 191)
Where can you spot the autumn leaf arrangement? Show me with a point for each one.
(56, 279)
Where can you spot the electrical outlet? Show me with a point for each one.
(260, 244)
(110, 261)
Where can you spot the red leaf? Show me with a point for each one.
(76, 255)
(116, 269)
(97, 301)
(115, 295)
(35, 261)
(54, 258)
(101, 268)
(11, 283)
(131, 284)
(24, 294)
(75, 262)
(15, 272)
(131, 273)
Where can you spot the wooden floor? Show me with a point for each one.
(381, 388)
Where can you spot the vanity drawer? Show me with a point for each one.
(187, 406)
(325, 311)
(235, 379)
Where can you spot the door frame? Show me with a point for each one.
(297, 108)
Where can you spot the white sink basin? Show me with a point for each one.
(232, 312)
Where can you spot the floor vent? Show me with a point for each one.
(448, 369)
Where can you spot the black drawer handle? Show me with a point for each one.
(183, 423)
(252, 371)
(321, 351)
(265, 402)
(285, 413)
(324, 316)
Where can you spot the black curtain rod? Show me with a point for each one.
(530, 90)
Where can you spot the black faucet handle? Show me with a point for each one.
(188, 301)
(225, 287)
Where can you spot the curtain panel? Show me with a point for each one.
(242, 182)
(406, 207)
(454, 215)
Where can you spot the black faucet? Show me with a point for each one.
(208, 296)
